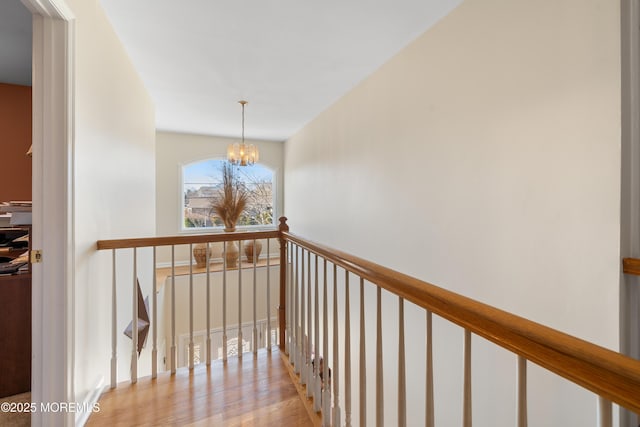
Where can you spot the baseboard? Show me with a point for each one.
(315, 417)
(90, 401)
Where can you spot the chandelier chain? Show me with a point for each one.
(243, 102)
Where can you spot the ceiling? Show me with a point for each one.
(290, 59)
(15, 43)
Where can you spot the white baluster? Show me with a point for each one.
(336, 354)
(224, 302)
(154, 320)
(605, 412)
(304, 349)
(326, 388)
(379, 372)
(288, 301)
(402, 386)
(466, 413)
(363, 361)
(255, 321)
(191, 346)
(268, 295)
(296, 309)
(240, 342)
(173, 309)
(429, 408)
(114, 323)
(522, 392)
(347, 351)
(309, 332)
(134, 322)
(207, 260)
(316, 346)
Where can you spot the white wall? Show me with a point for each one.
(174, 150)
(485, 158)
(114, 182)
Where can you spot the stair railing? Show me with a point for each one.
(612, 376)
(308, 271)
(223, 279)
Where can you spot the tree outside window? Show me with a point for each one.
(201, 183)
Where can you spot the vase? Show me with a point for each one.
(249, 248)
(200, 254)
(231, 255)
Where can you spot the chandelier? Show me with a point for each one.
(242, 154)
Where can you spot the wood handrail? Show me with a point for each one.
(609, 374)
(186, 239)
(631, 266)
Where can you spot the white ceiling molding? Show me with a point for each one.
(48, 8)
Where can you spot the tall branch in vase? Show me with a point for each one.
(231, 199)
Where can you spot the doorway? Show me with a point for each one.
(52, 290)
(15, 187)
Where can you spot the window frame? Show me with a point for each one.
(220, 229)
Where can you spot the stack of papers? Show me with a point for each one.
(16, 206)
(20, 212)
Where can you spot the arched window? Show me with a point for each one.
(201, 183)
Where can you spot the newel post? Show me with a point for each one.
(283, 227)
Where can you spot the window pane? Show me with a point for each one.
(202, 183)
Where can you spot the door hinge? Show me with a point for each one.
(36, 256)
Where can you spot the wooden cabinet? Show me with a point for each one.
(15, 334)
(15, 322)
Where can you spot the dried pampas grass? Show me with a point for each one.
(231, 199)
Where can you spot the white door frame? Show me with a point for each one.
(53, 142)
(630, 185)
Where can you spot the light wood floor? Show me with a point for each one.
(252, 391)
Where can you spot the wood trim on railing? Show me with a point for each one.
(213, 238)
(631, 266)
(284, 267)
(605, 372)
(186, 239)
